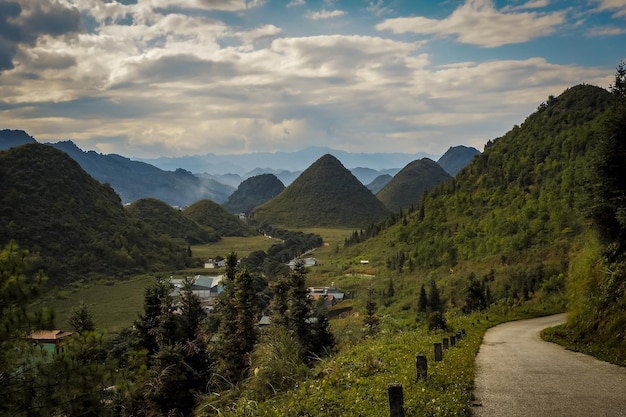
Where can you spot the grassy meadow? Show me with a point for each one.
(115, 303)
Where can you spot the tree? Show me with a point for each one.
(390, 289)
(422, 303)
(237, 322)
(81, 319)
(434, 299)
(608, 188)
(155, 326)
(19, 285)
(475, 295)
(192, 312)
(370, 320)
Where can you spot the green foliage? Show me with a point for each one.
(253, 192)
(237, 315)
(371, 320)
(78, 226)
(165, 219)
(81, 319)
(213, 216)
(597, 273)
(410, 183)
(276, 363)
(325, 194)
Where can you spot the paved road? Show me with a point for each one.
(518, 374)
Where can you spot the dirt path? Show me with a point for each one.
(518, 374)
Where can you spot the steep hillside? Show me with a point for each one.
(406, 187)
(169, 221)
(325, 194)
(514, 210)
(50, 205)
(209, 214)
(456, 158)
(253, 192)
(133, 180)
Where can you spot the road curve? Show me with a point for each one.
(518, 374)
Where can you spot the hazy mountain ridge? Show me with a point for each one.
(287, 161)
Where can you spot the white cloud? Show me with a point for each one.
(295, 3)
(325, 14)
(606, 31)
(533, 4)
(618, 6)
(378, 8)
(478, 22)
(182, 83)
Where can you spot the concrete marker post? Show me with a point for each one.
(396, 400)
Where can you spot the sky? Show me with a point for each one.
(150, 78)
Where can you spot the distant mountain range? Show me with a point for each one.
(275, 162)
(216, 177)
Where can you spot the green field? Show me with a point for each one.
(116, 303)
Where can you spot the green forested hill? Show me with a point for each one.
(325, 194)
(209, 214)
(253, 192)
(51, 206)
(406, 187)
(172, 222)
(516, 207)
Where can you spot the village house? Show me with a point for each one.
(51, 341)
(330, 294)
(205, 287)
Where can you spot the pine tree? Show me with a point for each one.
(81, 319)
(371, 320)
(237, 322)
(608, 190)
(434, 299)
(422, 303)
(192, 312)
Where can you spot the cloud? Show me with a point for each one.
(325, 14)
(24, 23)
(478, 22)
(606, 31)
(618, 6)
(294, 3)
(533, 4)
(378, 8)
(149, 82)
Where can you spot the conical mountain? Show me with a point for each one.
(169, 221)
(456, 158)
(78, 226)
(406, 187)
(210, 214)
(253, 192)
(325, 194)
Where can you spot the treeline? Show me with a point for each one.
(290, 245)
(171, 361)
(597, 275)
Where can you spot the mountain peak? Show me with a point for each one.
(325, 194)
